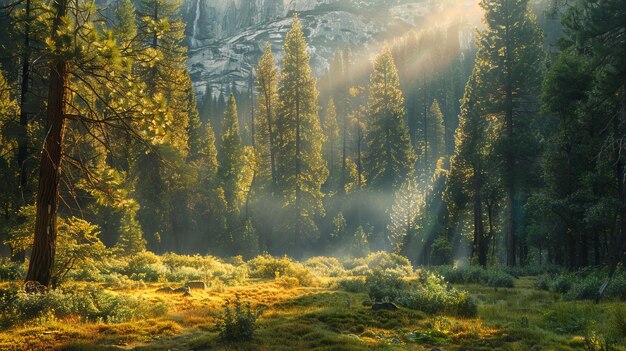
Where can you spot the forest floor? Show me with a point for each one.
(519, 318)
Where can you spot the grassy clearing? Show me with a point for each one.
(325, 318)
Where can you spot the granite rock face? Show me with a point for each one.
(226, 37)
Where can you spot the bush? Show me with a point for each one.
(145, 266)
(287, 282)
(92, 304)
(380, 261)
(475, 275)
(272, 267)
(239, 321)
(353, 285)
(325, 266)
(584, 284)
(431, 295)
(382, 286)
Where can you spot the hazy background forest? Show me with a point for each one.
(429, 133)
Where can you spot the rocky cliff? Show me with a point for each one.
(226, 37)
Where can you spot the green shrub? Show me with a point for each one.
(561, 283)
(543, 282)
(584, 284)
(145, 266)
(325, 266)
(272, 267)
(475, 275)
(584, 288)
(431, 295)
(379, 261)
(353, 284)
(239, 321)
(287, 282)
(92, 304)
(185, 274)
(384, 286)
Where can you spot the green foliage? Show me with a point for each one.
(239, 321)
(231, 158)
(352, 284)
(301, 167)
(272, 267)
(380, 261)
(384, 286)
(584, 284)
(408, 204)
(11, 271)
(92, 304)
(149, 267)
(145, 266)
(475, 275)
(390, 155)
(431, 295)
(325, 266)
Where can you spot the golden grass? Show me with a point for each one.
(322, 318)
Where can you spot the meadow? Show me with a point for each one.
(319, 304)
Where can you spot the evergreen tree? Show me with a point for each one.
(231, 158)
(301, 166)
(404, 214)
(390, 156)
(433, 139)
(267, 139)
(508, 65)
(467, 173)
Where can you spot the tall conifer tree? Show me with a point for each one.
(301, 165)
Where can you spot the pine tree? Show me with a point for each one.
(433, 139)
(267, 139)
(301, 166)
(509, 62)
(406, 208)
(468, 165)
(231, 158)
(390, 156)
(125, 26)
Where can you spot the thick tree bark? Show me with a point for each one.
(44, 247)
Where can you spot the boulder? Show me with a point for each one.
(384, 306)
(367, 303)
(165, 289)
(196, 285)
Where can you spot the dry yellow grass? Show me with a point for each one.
(307, 318)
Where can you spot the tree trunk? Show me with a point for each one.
(44, 246)
(480, 243)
